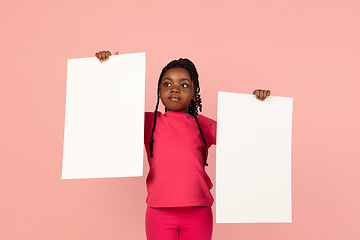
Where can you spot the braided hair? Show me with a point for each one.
(194, 106)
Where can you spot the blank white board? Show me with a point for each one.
(253, 159)
(104, 117)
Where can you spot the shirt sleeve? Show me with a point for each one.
(208, 126)
(149, 120)
(213, 127)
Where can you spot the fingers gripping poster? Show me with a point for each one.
(104, 117)
(253, 159)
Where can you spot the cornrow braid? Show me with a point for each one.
(203, 138)
(194, 106)
(151, 143)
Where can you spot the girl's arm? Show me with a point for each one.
(261, 94)
(104, 55)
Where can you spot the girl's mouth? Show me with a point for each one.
(174, 98)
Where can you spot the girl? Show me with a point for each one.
(179, 199)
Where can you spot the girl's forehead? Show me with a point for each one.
(177, 71)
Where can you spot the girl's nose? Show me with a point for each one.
(174, 90)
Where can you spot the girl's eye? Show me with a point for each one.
(167, 84)
(184, 85)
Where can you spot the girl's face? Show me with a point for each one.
(176, 90)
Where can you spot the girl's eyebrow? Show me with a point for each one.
(185, 79)
(182, 79)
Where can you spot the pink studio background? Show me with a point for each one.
(308, 50)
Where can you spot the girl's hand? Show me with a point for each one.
(261, 94)
(104, 55)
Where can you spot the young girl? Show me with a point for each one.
(179, 199)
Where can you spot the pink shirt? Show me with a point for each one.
(177, 176)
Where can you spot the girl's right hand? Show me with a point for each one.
(261, 94)
(104, 55)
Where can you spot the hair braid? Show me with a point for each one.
(203, 138)
(151, 143)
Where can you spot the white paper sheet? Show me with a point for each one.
(104, 118)
(253, 159)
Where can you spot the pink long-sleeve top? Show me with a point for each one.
(177, 176)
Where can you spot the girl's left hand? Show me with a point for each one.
(261, 94)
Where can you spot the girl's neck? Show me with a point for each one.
(176, 113)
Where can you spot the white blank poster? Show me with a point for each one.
(253, 159)
(104, 117)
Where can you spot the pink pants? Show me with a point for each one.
(179, 223)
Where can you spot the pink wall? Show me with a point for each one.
(308, 50)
